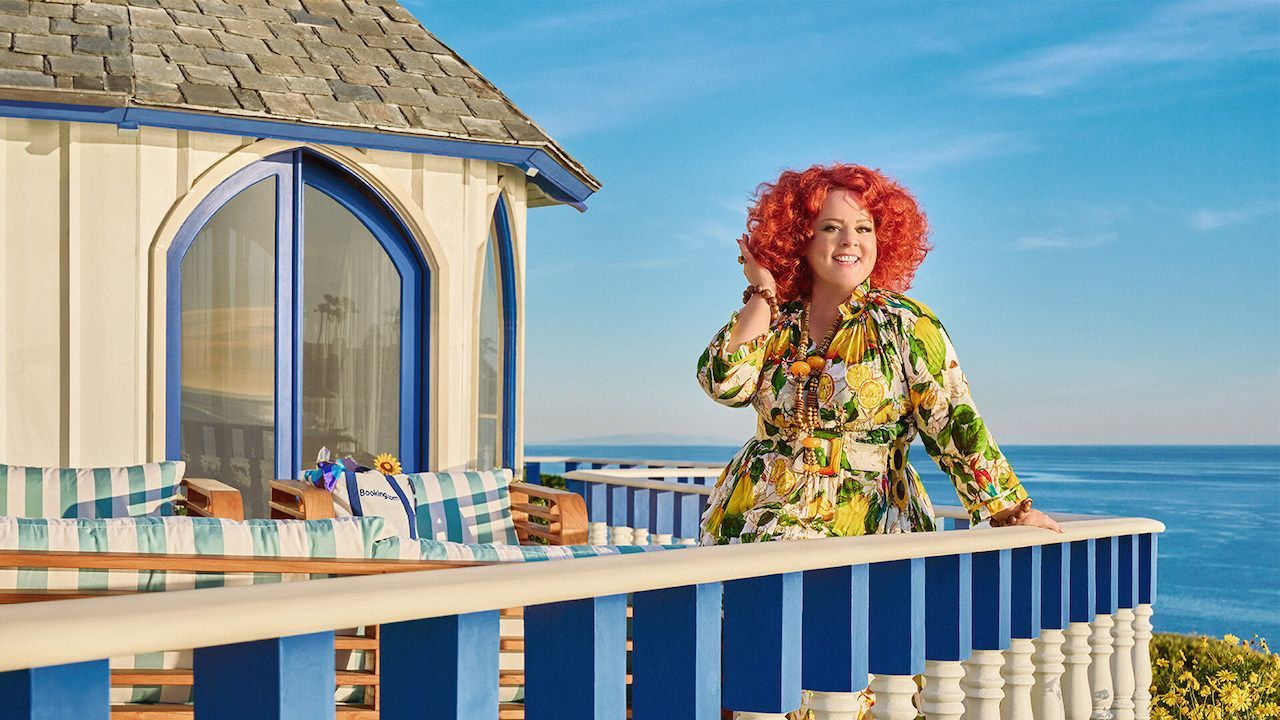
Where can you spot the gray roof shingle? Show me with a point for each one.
(361, 64)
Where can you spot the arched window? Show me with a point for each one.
(495, 427)
(296, 321)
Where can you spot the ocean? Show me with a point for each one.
(1219, 563)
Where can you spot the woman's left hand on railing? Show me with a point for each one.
(1024, 514)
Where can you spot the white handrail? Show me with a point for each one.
(56, 633)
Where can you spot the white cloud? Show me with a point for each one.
(1192, 32)
(930, 153)
(1207, 219)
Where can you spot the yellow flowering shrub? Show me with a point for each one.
(1201, 678)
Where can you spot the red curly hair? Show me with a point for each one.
(780, 223)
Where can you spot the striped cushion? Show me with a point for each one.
(398, 548)
(119, 492)
(465, 507)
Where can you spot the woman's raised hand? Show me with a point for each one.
(756, 273)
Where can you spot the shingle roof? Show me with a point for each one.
(363, 64)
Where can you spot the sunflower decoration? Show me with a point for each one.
(387, 464)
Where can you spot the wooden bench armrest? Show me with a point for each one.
(206, 497)
(299, 500)
(561, 521)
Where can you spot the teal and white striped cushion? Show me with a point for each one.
(107, 492)
(398, 548)
(465, 507)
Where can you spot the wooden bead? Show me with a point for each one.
(817, 362)
(810, 442)
(800, 368)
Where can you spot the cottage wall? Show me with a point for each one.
(88, 213)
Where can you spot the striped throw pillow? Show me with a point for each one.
(465, 507)
(106, 492)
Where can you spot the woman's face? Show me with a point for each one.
(843, 250)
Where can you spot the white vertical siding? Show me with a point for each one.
(87, 216)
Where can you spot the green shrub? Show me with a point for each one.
(553, 481)
(1201, 678)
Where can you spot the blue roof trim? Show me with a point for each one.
(552, 177)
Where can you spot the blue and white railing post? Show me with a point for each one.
(1142, 626)
(1019, 672)
(675, 657)
(896, 651)
(286, 678)
(836, 620)
(1100, 681)
(1076, 699)
(1055, 606)
(991, 634)
(1122, 661)
(948, 634)
(440, 668)
(575, 659)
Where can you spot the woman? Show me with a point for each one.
(844, 370)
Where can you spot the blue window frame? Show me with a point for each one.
(293, 172)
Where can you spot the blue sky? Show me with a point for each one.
(1102, 179)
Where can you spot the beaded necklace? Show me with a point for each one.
(805, 373)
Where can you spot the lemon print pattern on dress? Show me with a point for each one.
(782, 477)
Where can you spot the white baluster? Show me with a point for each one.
(1077, 703)
(834, 705)
(1100, 667)
(943, 697)
(1122, 665)
(598, 533)
(1019, 677)
(662, 539)
(1049, 668)
(639, 536)
(1142, 662)
(982, 685)
(893, 697)
(620, 535)
(686, 541)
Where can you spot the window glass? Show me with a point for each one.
(489, 391)
(350, 336)
(228, 346)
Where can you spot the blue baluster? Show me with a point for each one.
(991, 610)
(597, 500)
(440, 668)
(1125, 626)
(762, 620)
(533, 473)
(1107, 564)
(948, 607)
(289, 678)
(675, 660)
(1077, 698)
(1146, 572)
(662, 513)
(638, 500)
(577, 487)
(1147, 568)
(1055, 606)
(688, 516)
(575, 659)
(1025, 588)
(835, 624)
(76, 691)
(619, 512)
(896, 637)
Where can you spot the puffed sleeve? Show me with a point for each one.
(730, 378)
(950, 426)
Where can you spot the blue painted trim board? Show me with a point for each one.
(1107, 569)
(992, 600)
(836, 621)
(576, 659)
(553, 178)
(762, 623)
(675, 660)
(1127, 577)
(948, 607)
(1147, 552)
(289, 678)
(440, 668)
(1025, 586)
(1083, 581)
(1055, 586)
(897, 617)
(78, 691)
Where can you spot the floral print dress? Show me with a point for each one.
(890, 373)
